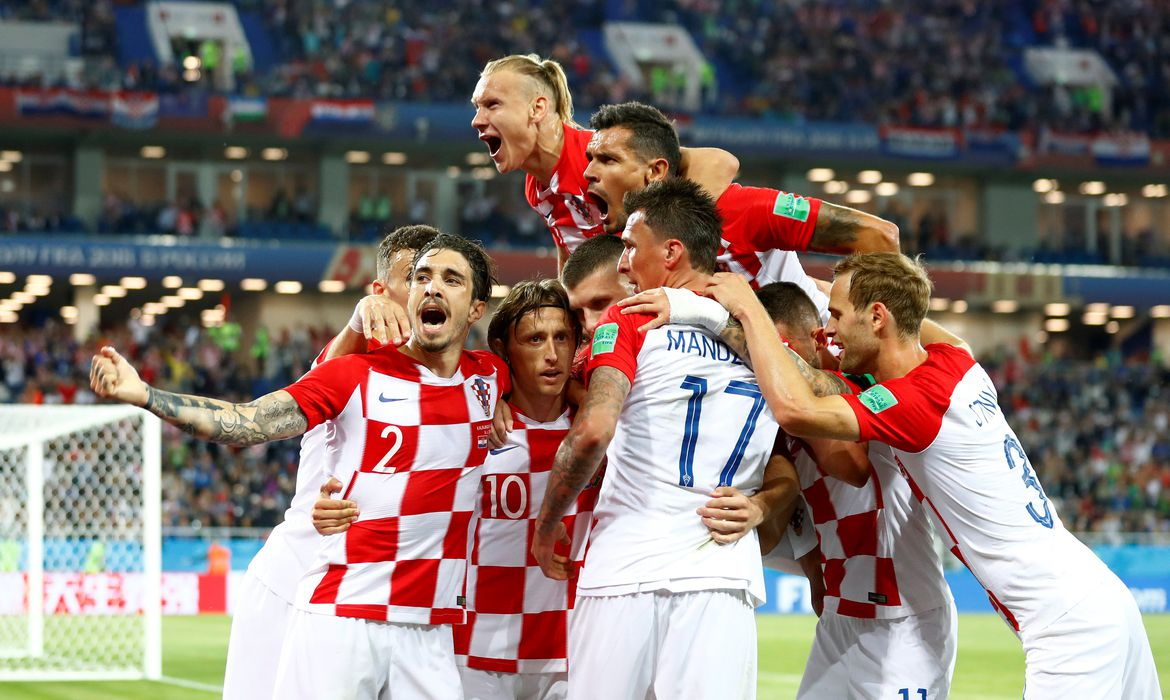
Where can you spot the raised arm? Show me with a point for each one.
(376, 317)
(932, 332)
(275, 416)
(576, 462)
(713, 169)
(843, 230)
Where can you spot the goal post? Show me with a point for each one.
(80, 543)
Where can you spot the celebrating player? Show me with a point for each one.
(592, 281)
(683, 601)
(938, 411)
(524, 114)
(407, 430)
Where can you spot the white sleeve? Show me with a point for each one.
(789, 269)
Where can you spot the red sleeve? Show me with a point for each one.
(770, 219)
(617, 342)
(503, 374)
(321, 356)
(323, 392)
(900, 413)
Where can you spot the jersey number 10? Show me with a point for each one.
(686, 457)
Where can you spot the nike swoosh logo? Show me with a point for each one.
(383, 399)
(502, 450)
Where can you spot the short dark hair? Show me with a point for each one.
(678, 208)
(411, 238)
(525, 297)
(483, 270)
(787, 303)
(651, 133)
(594, 254)
(896, 280)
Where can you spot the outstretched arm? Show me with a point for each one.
(713, 169)
(275, 416)
(843, 230)
(577, 460)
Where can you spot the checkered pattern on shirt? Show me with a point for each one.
(411, 447)
(517, 618)
(570, 215)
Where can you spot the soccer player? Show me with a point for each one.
(634, 144)
(889, 618)
(682, 600)
(524, 114)
(592, 281)
(938, 411)
(408, 434)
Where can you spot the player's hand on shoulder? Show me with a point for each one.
(331, 516)
(112, 377)
(652, 302)
(732, 291)
(383, 320)
(730, 514)
(544, 541)
(501, 425)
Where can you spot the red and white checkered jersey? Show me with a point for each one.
(950, 440)
(409, 445)
(761, 229)
(289, 550)
(571, 216)
(694, 420)
(877, 551)
(517, 618)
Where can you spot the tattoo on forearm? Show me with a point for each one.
(823, 383)
(836, 228)
(268, 418)
(736, 339)
(576, 460)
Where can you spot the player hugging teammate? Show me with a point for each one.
(585, 511)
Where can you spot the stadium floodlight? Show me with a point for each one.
(453, 171)
(1044, 185)
(1160, 311)
(939, 304)
(88, 589)
(357, 157)
(153, 152)
(1122, 311)
(7, 278)
(1116, 199)
(1054, 197)
(38, 280)
(10, 305)
(920, 179)
(190, 294)
(1097, 308)
(5, 166)
(869, 177)
(1094, 318)
(82, 279)
(101, 300)
(886, 189)
(394, 158)
(478, 158)
(499, 291)
(154, 309)
(24, 297)
(858, 196)
(235, 153)
(37, 291)
(172, 281)
(1005, 306)
(146, 319)
(483, 173)
(1112, 327)
(1092, 188)
(1154, 191)
(959, 306)
(836, 187)
(274, 153)
(9, 317)
(133, 282)
(211, 285)
(821, 174)
(173, 302)
(1056, 325)
(67, 311)
(1057, 308)
(287, 287)
(113, 291)
(253, 284)
(331, 286)
(192, 63)
(11, 156)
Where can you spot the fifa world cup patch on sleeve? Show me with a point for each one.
(877, 398)
(791, 206)
(604, 339)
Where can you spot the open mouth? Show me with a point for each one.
(602, 205)
(551, 374)
(432, 317)
(494, 143)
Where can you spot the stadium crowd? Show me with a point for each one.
(1097, 429)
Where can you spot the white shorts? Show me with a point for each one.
(259, 622)
(346, 658)
(493, 685)
(700, 645)
(878, 659)
(1098, 649)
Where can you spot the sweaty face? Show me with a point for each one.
(540, 352)
(851, 330)
(614, 169)
(440, 303)
(644, 259)
(596, 293)
(504, 119)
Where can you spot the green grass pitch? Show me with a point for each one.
(990, 664)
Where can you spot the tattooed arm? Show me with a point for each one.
(272, 417)
(843, 230)
(822, 383)
(577, 460)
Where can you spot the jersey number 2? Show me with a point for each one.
(686, 457)
(1012, 451)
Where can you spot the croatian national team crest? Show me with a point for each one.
(483, 392)
(581, 206)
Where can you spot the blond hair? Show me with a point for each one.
(898, 282)
(547, 74)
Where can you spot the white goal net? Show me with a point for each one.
(80, 555)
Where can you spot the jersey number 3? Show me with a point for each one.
(686, 457)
